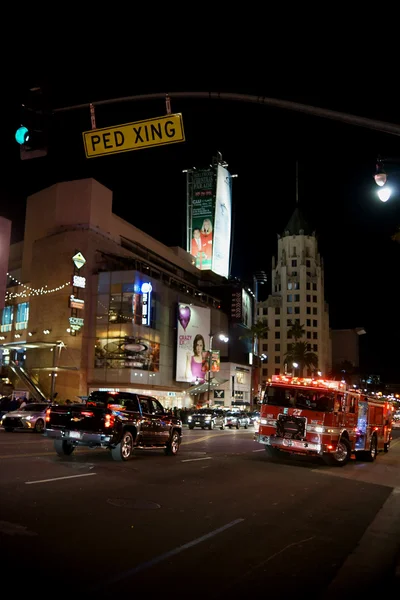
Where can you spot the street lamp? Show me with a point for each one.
(223, 338)
(381, 178)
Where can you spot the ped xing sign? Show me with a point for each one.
(134, 136)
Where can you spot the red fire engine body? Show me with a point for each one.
(322, 418)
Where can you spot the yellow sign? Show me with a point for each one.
(134, 136)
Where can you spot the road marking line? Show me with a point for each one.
(194, 459)
(59, 478)
(262, 450)
(178, 550)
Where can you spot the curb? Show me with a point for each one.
(375, 561)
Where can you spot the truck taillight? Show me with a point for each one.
(109, 421)
(87, 414)
(48, 414)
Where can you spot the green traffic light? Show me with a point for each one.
(22, 135)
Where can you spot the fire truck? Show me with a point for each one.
(322, 418)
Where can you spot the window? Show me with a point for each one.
(289, 310)
(294, 263)
(294, 251)
(315, 335)
(277, 360)
(296, 285)
(265, 335)
(265, 312)
(308, 322)
(308, 347)
(315, 323)
(315, 347)
(277, 322)
(265, 347)
(308, 286)
(308, 310)
(314, 287)
(265, 371)
(308, 296)
(289, 297)
(308, 335)
(314, 298)
(277, 335)
(277, 371)
(277, 311)
(297, 321)
(7, 318)
(308, 263)
(288, 347)
(22, 315)
(290, 285)
(297, 297)
(294, 274)
(297, 310)
(315, 310)
(277, 347)
(289, 335)
(289, 322)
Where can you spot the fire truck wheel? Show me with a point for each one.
(341, 456)
(373, 449)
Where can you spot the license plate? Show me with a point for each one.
(75, 435)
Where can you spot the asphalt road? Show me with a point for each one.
(220, 519)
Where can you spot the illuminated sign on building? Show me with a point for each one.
(146, 290)
(79, 260)
(79, 282)
(75, 323)
(76, 302)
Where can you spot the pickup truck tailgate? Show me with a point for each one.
(76, 418)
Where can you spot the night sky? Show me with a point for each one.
(337, 193)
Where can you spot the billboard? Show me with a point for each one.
(222, 223)
(247, 309)
(193, 330)
(127, 353)
(209, 218)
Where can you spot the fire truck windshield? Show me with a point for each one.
(299, 398)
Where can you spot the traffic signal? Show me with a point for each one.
(32, 133)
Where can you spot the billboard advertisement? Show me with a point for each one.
(201, 221)
(209, 218)
(127, 353)
(193, 330)
(222, 223)
(247, 309)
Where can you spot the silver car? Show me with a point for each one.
(31, 416)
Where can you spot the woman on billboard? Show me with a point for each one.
(206, 234)
(194, 360)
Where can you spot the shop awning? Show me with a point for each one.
(203, 387)
(28, 345)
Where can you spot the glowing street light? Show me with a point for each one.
(384, 193)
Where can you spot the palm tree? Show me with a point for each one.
(297, 331)
(258, 330)
(303, 357)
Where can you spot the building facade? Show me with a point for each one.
(297, 296)
(93, 301)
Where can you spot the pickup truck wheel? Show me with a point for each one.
(9, 429)
(39, 426)
(123, 450)
(173, 444)
(63, 447)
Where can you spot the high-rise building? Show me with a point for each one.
(297, 296)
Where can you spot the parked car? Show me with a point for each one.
(31, 416)
(118, 421)
(206, 418)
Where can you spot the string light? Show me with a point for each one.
(29, 291)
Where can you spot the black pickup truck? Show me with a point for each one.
(119, 421)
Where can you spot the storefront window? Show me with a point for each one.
(7, 318)
(22, 316)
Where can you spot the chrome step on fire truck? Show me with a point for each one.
(323, 418)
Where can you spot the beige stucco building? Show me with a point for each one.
(297, 295)
(37, 330)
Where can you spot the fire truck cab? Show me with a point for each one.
(322, 418)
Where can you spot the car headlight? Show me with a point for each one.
(189, 418)
(208, 418)
(28, 417)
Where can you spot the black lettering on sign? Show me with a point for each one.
(106, 140)
(147, 133)
(156, 130)
(119, 138)
(138, 136)
(95, 139)
(169, 132)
